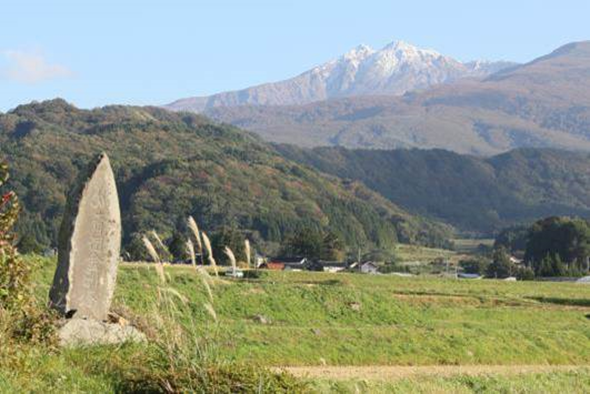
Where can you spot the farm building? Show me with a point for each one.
(329, 266)
(287, 264)
(369, 267)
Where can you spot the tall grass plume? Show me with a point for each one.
(248, 252)
(232, 258)
(192, 225)
(154, 255)
(207, 244)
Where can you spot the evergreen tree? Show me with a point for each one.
(557, 265)
(229, 237)
(557, 240)
(501, 266)
(545, 267)
(177, 247)
(28, 244)
(135, 249)
(314, 244)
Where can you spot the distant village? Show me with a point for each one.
(304, 264)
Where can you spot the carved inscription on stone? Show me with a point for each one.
(89, 246)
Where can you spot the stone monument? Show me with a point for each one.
(89, 245)
(88, 256)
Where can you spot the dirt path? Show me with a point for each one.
(389, 373)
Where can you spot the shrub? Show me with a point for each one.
(27, 321)
(478, 265)
(14, 273)
(525, 273)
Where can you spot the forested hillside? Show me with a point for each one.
(169, 166)
(474, 194)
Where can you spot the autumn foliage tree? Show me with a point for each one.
(14, 274)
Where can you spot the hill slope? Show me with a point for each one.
(474, 194)
(545, 103)
(397, 68)
(170, 165)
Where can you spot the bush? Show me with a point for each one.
(27, 321)
(525, 273)
(14, 274)
(216, 378)
(477, 265)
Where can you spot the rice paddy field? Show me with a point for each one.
(342, 321)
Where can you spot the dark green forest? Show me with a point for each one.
(553, 246)
(476, 195)
(169, 166)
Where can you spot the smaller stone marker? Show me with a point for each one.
(89, 246)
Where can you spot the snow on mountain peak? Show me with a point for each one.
(403, 47)
(358, 53)
(395, 69)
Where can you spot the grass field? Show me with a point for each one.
(421, 260)
(316, 319)
(421, 254)
(470, 245)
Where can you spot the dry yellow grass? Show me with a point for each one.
(207, 244)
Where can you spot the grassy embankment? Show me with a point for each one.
(344, 319)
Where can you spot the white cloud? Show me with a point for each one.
(32, 68)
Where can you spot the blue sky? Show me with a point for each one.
(94, 53)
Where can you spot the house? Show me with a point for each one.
(273, 266)
(369, 267)
(259, 260)
(286, 264)
(328, 266)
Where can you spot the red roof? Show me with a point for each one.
(273, 265)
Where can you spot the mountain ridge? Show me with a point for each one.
(543, 103)
(169, 166)
(395, 69)
(474, 194)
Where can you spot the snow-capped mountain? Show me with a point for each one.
(394, 70)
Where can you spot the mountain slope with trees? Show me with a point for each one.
(169, 166)
(474, 194)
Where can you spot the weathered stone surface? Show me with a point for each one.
(89, 246)
(79, 332)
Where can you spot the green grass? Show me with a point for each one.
(339, 319)
(351, 319)
(558, 382)
(421, 254)
(470, 245)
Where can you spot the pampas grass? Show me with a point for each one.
(159, 241)
(192, 225)
(207, 244)
(205, 279)
(247, 251)
(151, 250)
(154, 255)
(232, 258)
(209, 308)
(191, 251)
(202, 272)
